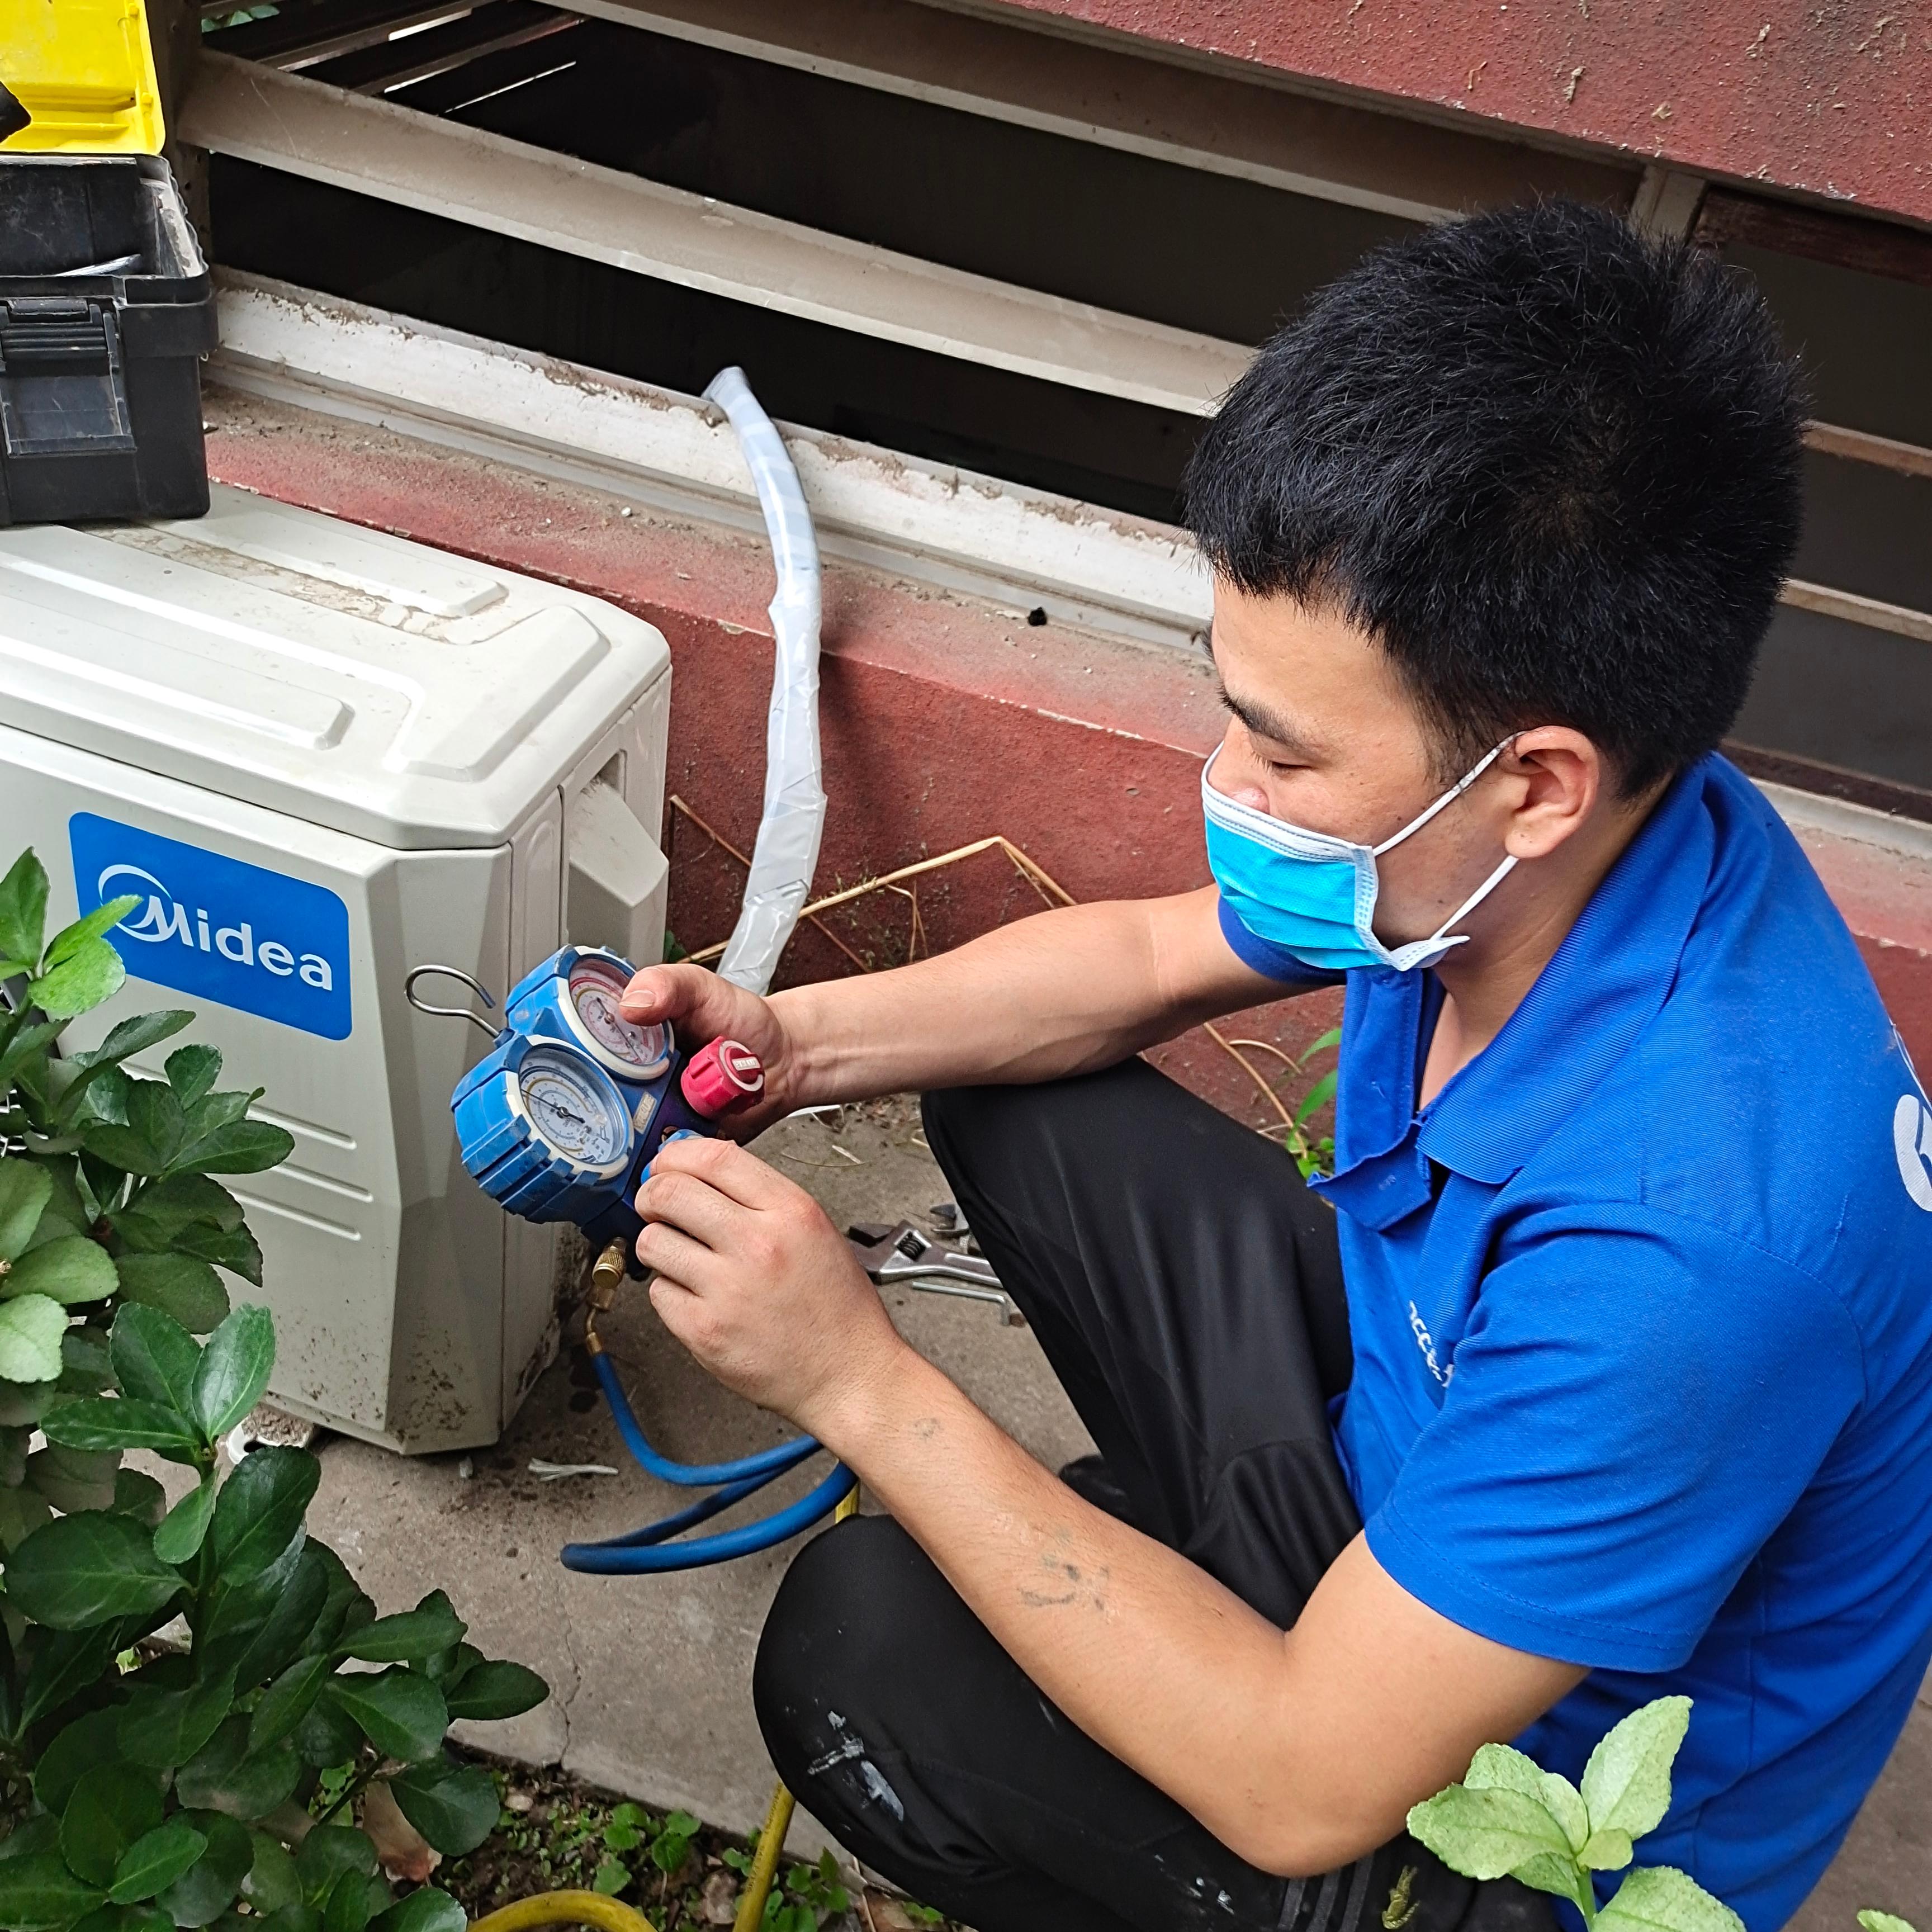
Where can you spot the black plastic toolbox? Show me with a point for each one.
(105, 311)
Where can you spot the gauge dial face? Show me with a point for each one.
(640, 1052)
(573, 1109)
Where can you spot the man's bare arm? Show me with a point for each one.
(1062, 992)
(1300, 1750)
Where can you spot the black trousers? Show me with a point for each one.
(1187, 1290)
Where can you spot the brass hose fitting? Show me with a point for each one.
(607, 1276)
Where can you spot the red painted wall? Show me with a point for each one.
(1832, 99)
(942, 720)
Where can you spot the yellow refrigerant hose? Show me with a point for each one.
(594, 1908)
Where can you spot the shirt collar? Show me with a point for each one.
(1602, 986)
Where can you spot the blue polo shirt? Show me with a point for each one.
(1642, 1308)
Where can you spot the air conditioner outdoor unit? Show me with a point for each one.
(319, 755)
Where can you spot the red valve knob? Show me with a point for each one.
(721, 1077)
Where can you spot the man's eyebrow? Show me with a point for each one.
(1266, 724)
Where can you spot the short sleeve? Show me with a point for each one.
(1632, 1412)
(1275, 962)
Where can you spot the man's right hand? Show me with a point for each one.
(702, 1007)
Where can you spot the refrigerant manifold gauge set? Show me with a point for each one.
(558, 1120)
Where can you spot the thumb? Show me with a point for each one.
(677, 993)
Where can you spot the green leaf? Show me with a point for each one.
(298, 1602)
(427, 1908)
(38, 1893)
(209, 1887)
(401, 1713)
(1490, 1832)
(163, 1729)
(287, 1701)
(75, 1751)
(126, 1038)
(34, 1835)
(453, 1806)
(155, 1357)
(155, 1860)
(349, 1905)
(234, 1370)
(261, 1508)
(138, 1496)
(1660, 1898)
(327, 1853)
(183, 1287)
(1498, 1767)
(92, 974)
(192, 1071)
(111, 1806)
(79, 1571)
(240, 1147)
(1882, 1921)
(115, 1422)
(87, 1367)
(613, 1875)
(293, 1918)
(23, 908)
(71, 1269)
(1609, 1850)
(31, 1328)
(181, 1530)
(25, 1188)
(272, 1883)
(22, 1511)
(69, 942)
(496, 1689)
(22, 1404)
(1627, 1782)
(225, 1775)
(327, 1736)
(408, 1636)
(66, 1663)
(1318, 1095)
(159, 1214)
(234, 1249)
(72, 1479)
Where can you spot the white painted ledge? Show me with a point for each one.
(922, 521)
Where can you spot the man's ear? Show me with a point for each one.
(1562, 778)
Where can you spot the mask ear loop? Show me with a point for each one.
(1448, 799)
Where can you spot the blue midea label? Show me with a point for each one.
(217, 929)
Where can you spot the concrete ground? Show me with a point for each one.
(650, 1675)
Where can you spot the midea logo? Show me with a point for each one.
(165, 918)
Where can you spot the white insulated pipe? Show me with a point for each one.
(786, 854)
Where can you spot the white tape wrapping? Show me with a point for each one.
(786, 854)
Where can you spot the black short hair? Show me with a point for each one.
(1552, 465)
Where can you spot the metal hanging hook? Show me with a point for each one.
(481, 991)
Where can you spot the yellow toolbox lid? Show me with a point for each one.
(84, 70)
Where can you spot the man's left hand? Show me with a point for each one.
(756, 1282)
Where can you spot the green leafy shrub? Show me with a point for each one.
(152, 1783)
(1509, 1817)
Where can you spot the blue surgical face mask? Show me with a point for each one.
(1314, 895)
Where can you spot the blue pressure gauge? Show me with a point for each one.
(558, 1119)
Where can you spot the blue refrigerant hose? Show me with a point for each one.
(649, 1550)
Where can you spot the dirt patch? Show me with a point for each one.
(555, 1833)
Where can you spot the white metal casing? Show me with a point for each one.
(467, 761)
